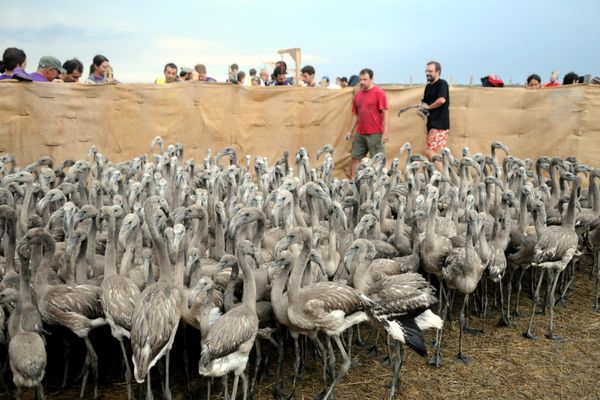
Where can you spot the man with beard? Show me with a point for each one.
(73, 71)
(436, 101)
(369, 129)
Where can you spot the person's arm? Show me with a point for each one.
(383, 107)
(386, 119)
(441, 99)
(350, 133)
(438, 103)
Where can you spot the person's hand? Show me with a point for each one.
(423, 106)
(385, 138)
(349, 136)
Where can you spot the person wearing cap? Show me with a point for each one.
(49, 68)
(185, 74)
(553, 80)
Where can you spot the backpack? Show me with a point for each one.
(492, 81)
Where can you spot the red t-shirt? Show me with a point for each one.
(368, 106)
(550, 84)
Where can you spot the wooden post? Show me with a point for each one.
(471, 81)
(410, 82)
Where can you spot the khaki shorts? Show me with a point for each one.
(363, 144)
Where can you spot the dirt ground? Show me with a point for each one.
(504, 365)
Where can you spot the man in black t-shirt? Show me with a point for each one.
(436, 101)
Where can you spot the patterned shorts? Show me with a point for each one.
(436, 139)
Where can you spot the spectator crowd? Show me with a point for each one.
(50, 69)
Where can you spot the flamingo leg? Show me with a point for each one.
(167, 393)
(40, 392)
(536, 299)
(149, 395)
(280, 381)
(330, 357)
(437, 358)
(504, 318)
(296, 362)
(550, 335)
(397, 367)
(597, 299)
(257, 361)
(91, 363)
(235, 386)
(67, 349)
(516, 313)
(460, 357)
(343, 368)
(508, 293)
(127, 369)
(244, 385)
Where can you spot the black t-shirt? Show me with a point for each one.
(439, 118)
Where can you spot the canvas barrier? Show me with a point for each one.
(65, 120)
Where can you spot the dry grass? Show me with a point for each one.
(504, 365)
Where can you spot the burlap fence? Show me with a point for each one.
(64, 120)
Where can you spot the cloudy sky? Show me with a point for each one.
(395, 38)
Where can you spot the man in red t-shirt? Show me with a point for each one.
(553, 80)
(369, 129)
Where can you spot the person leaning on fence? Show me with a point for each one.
(280, 77)
(534, 81)
(232, 73)
(436, 100)
(169, 74)
(264, 77)
(202, 75)
(308, 76)
(553, 80)
(255, 81)
(570, 78)
(13, 64)
(369, 128)
(186, 74)
(49, 69)
(241, 78)
(98, 70)
(251, 77)
(73, 71)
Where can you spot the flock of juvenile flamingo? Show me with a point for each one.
(284, 255)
